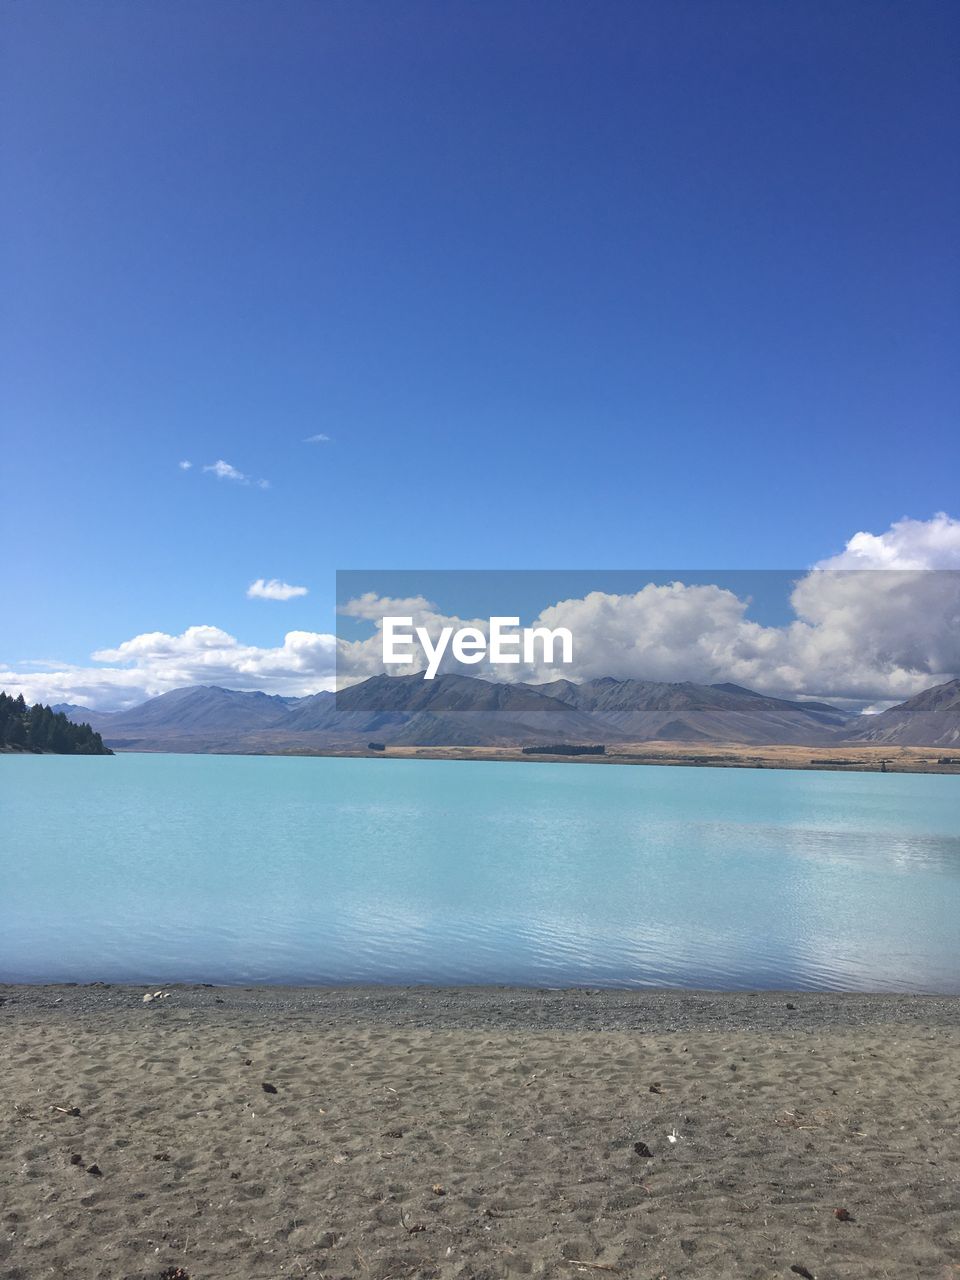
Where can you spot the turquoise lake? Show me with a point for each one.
(235, 869)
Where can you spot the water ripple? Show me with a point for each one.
(157, 868)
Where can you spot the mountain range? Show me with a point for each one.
(456, 710)
(930, 719)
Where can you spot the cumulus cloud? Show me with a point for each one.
(360, 659)
(319, 438)
(156, 662)
(907, 544)
(858, 636)
(226, 471)
(669, 633)
(273, 589)
(372, 608)
(185, 465)
(881, 635)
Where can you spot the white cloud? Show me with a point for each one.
(156, 662)
(372, 607)
(668, 633)
(226, 471)
(857, 637)
(273, 589)
(185, 465)
(907, 544)
(319, 438)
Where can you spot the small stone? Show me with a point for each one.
(268, 1088)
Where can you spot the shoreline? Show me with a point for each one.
(704, 755)
(427, 1007)
(719, 755)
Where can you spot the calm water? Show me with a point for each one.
(237, 869)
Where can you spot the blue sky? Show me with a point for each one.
(565, 284)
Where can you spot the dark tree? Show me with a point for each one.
(40, 729)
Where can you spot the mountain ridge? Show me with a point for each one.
(646, 710)
(928, 719)
(466, 711)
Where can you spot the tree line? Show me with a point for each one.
(38, 728)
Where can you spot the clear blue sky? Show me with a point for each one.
(567, 284)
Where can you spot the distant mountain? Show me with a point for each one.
(645, 710)
(929, 719)
(452, 710)
(197, 717)
(456, 710)
(76, 713)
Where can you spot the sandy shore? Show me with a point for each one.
(716, 755)
(477, 1133)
